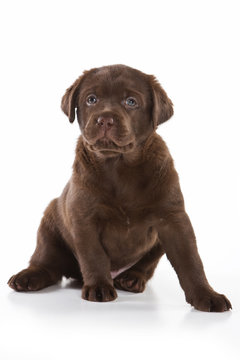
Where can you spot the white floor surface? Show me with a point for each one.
(56, 323)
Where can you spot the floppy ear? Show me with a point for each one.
(69, 99)
(162, 105)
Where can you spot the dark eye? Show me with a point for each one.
(91, 100)
(131, 102)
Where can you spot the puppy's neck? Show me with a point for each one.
(152, 152)
(99, 159)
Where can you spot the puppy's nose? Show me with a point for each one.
(105, 121)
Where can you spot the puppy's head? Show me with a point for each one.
(118, 107)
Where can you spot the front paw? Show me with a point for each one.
(210, 301)
(99, 293)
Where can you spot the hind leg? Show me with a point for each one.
(32, 279)
(135, 278)
(50, 261)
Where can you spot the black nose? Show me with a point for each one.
(105, 121)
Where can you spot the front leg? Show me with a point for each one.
(178, 240)
(94, 264)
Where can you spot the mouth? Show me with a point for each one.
(105, 145)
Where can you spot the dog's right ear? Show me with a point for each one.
(69, 99)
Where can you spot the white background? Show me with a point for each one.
(193, 49)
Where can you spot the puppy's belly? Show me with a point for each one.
(126, 246)
(119, 271)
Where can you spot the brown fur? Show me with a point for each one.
(122, 208)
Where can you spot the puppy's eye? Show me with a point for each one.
(131, 102)
(91, 100)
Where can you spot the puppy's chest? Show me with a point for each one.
(127, 212)
(128, 205)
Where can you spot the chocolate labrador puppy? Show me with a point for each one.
(122, 208)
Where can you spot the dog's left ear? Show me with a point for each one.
(69, 99)
(162, 105)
